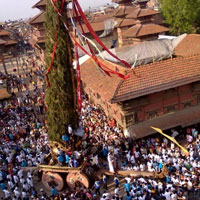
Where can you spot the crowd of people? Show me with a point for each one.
(24, 144)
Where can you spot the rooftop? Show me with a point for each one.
(190, 45)
(4, 33)
(2, 42)
(39, 18)
(150, 78)
(42, 3)
(139, 30)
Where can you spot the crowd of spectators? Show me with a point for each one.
(24, 143)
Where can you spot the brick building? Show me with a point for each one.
(145, 22)
(163, 94)
(9, 45)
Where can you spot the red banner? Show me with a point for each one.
(92, 32)
(78, 76)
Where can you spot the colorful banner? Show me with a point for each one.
(92, 32)
(78, 76)
(172, 139)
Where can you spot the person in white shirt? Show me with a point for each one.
(16, 179)
(24, 194)
(22, 180)
(174, 133)
(20, 173)
(25, 187)
(128, 179)
(189, 185)
(167, 195)
(17, 193)
(7, 194)
(174, 196)
(11, 185)
(117, 190)
(30, 182)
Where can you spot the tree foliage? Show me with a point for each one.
(60, 97)
(181, 15)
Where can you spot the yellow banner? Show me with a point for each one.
(172, 139)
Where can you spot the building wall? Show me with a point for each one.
(148, 107)
(161, 103)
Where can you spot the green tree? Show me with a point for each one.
(60, 96)
(181, 15)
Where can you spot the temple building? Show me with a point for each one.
(125, 25)
(7, 44)
(163, 93)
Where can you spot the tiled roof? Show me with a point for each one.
(190, 45)
(4, 32)
(40, 3)
(147, 12)
(159, 76)
(124, 10)
(144, 29)
(44, 3)
(10, 42)
(100, 17)
(2, 41)
(98, 26)
(98, 82)
(125, 22)
(149, 78)
(134, 13)
(40, 18)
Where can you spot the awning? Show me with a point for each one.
(186, 117)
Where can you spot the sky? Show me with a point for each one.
(17, 9)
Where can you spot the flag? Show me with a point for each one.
(172, 139)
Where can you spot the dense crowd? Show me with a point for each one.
(24, 143)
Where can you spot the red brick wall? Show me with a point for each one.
(159, 102)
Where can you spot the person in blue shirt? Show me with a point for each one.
(160, 166)
(2, 186)
(116, 181)
(61, 158)
(128, 196)
(54, 192)
(167, 178)
(67, 159)
(24, 164)
(127, 187)
(65, 138)
(11, 137)
(105, 152)
(97, 185)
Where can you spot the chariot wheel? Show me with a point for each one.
(50, 179)
(76, 178)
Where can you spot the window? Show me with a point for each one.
(170, 93)
(170, 108)
(152, 114)
(196, 86)
(187, 104)
(132, 118)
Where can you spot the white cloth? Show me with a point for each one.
(110, 163)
